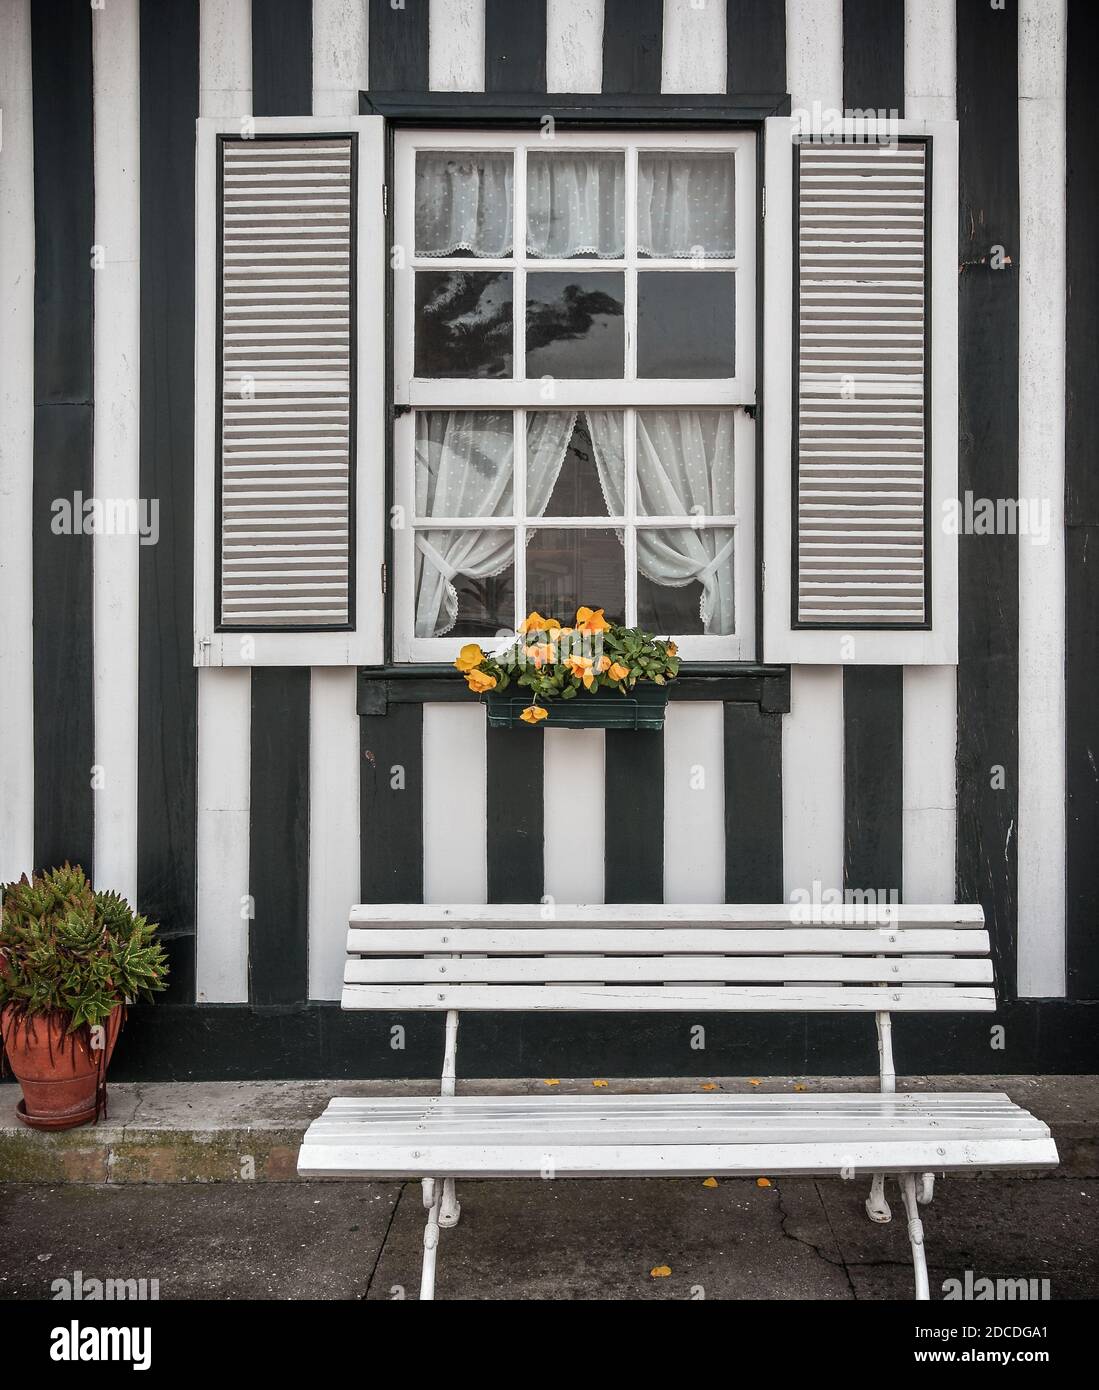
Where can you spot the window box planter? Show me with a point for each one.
(604, 708)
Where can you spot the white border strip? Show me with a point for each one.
(574, 45)
(339, 56)
(456, 46)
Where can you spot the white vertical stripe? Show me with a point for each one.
(812, 780)
(694, 802)
(695, 55)
(930, 742)
(224, 797)
(16, 445)
(225, 57)
(339, 56)
(814, 54)
(455, 825)
(1042, 838)
(456, 46)
(333, 823)
(574, 46)
(575, 833)
(115, 451)
(224, 696)
(930, 60)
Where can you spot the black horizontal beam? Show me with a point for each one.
(587, 109)
(748, 683)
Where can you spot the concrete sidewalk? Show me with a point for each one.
(565, 1240)
(250, 1131)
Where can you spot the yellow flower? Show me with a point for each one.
(591, 620)
(470, 656)
(673, 650)
(480, 681)
(534, 714)
(580, 666)
(534, 622)
(618, 672)
(541, 654)
(604, 664)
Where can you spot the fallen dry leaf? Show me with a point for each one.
(709, 1182)
(753, 1082)
(553, 1081)
(709, 1085)
(660, 1272)
(801, 1087)
(763, 1182)
(599, 1083)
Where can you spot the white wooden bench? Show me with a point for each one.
(683, 959)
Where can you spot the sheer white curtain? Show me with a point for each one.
(576, 205)
(684, 468)
(465, 467)
(685, 205)
(463, 203)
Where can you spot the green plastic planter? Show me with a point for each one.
(605, 708)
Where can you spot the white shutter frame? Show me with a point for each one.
(364, 645)
(860, 643)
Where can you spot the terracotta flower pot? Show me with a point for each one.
(64, 1078)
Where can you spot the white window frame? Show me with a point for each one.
(859, 645)
(627, 395)
(365, 644)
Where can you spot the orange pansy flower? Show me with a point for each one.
(470, 656)
(533, 714)
(480, 681)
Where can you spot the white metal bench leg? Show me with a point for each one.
(433, 1189)
(877, 1208)
(450, 1209)
(915, 1236)
(925, 1188)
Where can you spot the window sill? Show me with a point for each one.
(737, 682)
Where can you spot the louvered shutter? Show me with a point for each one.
(860, 394)
(290, 419)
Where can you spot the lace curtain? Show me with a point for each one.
(576, 205)
(465, 467)
(685, 205)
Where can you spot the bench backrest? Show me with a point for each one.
(667, 957)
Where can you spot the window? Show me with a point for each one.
(575, 327)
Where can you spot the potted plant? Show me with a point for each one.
(595, 674)
(71, 959)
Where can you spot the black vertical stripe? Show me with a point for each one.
(515, 46)
(516, 815)
(278, 838)
(64, 219)
(166, 805)
(282, 57)
(633, 783)
(391, 796)
(633, 45)
(1082, 508)
(753, 804)
(756, 38)
(872, 777)
(397, 45)
(873, 55)
(988, 640)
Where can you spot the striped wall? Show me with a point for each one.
(246, 810)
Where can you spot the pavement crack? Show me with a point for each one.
(382, 1243)
(810, 1245)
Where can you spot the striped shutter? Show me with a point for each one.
(860, 400)
(862, 262)
(286, 410)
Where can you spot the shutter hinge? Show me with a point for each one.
(384, 577)
(763, 201)
(385, 200)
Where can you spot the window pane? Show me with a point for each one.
(685, 205)
(574, 324)
(463, 204)
(685, 463)
(465, 460)
(679, 568)
(576, 205)
(463, 323)
(568, 568)
(465, 582)
(562, 462)
(685, 323)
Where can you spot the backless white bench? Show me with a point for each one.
(681, 959)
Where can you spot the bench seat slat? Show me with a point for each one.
(693, 915)
(389, 940)
(673, 998)
(626, 969)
